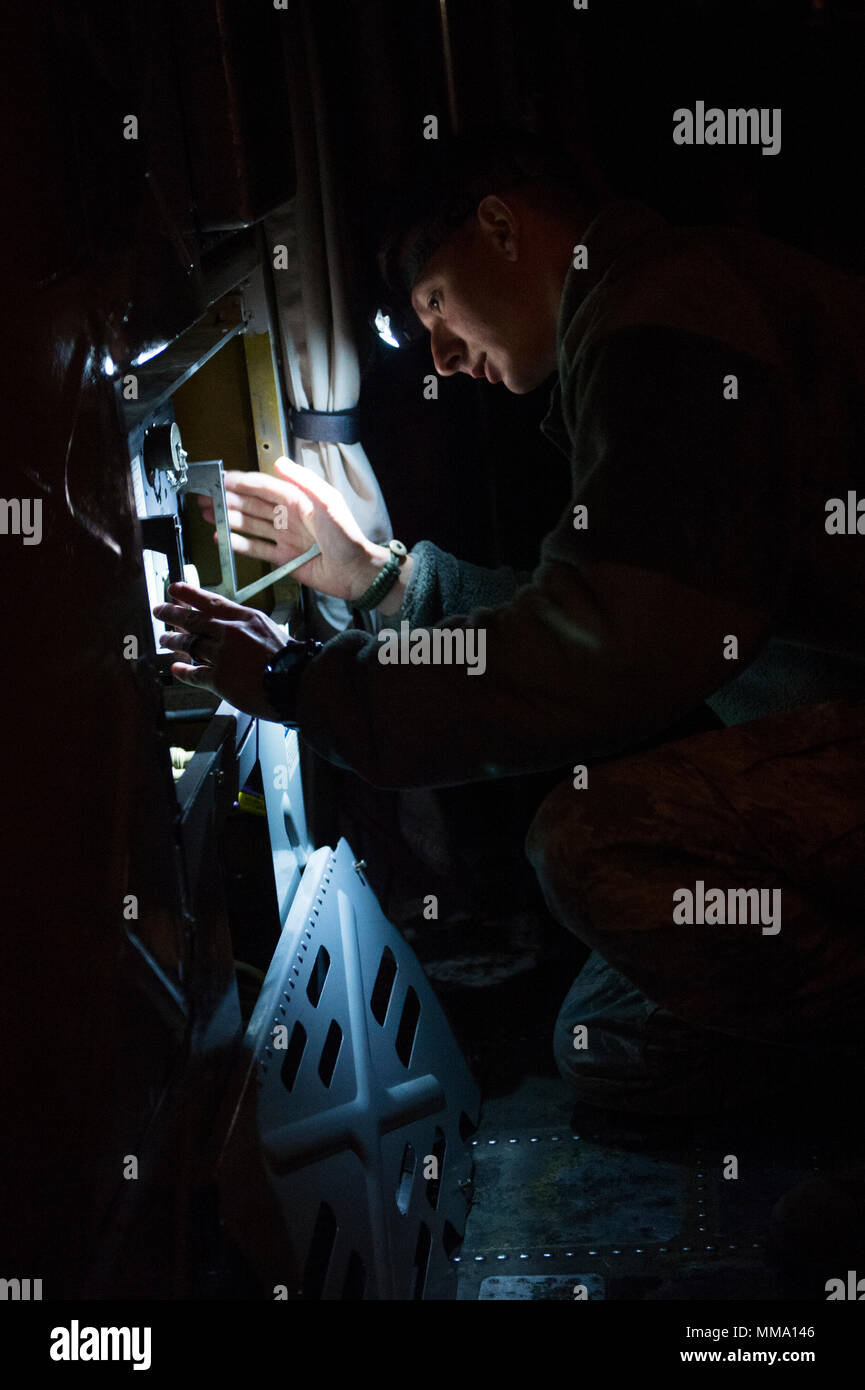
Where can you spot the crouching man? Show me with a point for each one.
(709, 392)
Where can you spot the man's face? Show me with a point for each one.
(482, 299)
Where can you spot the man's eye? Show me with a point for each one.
(432, 302)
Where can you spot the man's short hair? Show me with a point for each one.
(451, 176)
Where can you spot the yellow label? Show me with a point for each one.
(249, 801)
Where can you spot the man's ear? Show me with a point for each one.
(498, 220)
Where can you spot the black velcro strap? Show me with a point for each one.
(325, 426)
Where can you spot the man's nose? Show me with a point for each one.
(448, 352)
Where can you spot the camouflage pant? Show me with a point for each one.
(673, 1008)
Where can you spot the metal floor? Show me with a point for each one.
(631, 1208)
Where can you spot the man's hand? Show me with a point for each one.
(228, 646)
(277, 519)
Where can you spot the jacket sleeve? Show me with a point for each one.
(625, 625)
(441, 584)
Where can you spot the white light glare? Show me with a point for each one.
(382, 323)
(108, 367)
(143, 357)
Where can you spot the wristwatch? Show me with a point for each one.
(281, 678)
(384, 580)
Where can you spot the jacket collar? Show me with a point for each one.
(616, 227)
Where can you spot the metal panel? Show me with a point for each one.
(279, 759)
(207, 479)
(354, 1083)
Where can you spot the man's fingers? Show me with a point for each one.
(175, 641)
(176, 615)
(261, 518)
(194, 675)
(201, 648)
(247, 508)
(258, 550)
(191, 596)
(243, 523)
(259, 508)
(251, 525)
(205, 603)
(259, 487)
(305, 480)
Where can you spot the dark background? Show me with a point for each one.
(106, 249)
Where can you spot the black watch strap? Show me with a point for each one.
(281, 678)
